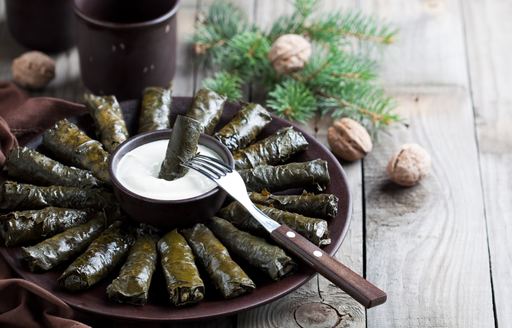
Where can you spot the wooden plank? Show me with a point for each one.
(489, 44)
(426, 246)
(429, 48)
(318, 303)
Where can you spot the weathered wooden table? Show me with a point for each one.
(442, 250)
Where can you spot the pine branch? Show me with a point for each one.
(335, 81)
(245, 55)
(222, 22)
(361, 101)
(330, 67)
(292, 100)
(225, 84)
(295, 22)
(338, 27)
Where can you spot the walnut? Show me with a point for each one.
(33, 70)
(349, 140)
(409, 165)
(289, 53)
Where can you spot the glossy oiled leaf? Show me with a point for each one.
(255, 250)
(309, 204)
(227, 276)
(244, 127)
(133, 282)
(108, 118)
(316, 230)
(72, 145)
(312, 174)
(21, 196)
(182, 146)
(275, 149)
(63, 246)
(101, 257)
(207, 109)
(31, 166)
(29, 226)
(155, 109)
(184, 284)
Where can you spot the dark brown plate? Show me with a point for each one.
(157, 310)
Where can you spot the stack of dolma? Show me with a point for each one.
(62, 211)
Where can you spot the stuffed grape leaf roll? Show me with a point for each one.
(71, 144)
(108, 118)
(275, 149)
(316, 230)
(155, 109)
(184, 284)
(182, 146)
(15, 196)
(101, 258)
(309, 204)
(63, 246)
(255, 250)
(132, 284)
(227, 276)
(312, 174)
(29, 226)
(31, 166)
(207, 109)
(244, 127)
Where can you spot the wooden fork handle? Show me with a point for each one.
(353, 284)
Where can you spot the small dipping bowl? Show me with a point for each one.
(167, 214)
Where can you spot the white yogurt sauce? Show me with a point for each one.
(138, 172)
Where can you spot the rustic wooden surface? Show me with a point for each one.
(442, 250)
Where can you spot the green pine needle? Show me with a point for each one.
(222, 22)
(226, 84)
(329, 68)
(363, 102)
(337, 79)
(337, 27)
(245, 54)
(292, 100)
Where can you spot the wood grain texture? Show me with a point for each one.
(429, 48)
(426, 245)
(489, 46)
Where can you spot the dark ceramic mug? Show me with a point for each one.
(41, 24)
(125, 46)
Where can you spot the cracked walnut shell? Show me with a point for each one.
(289, 53)
(349, 140)
(33, 70)
(409, 165)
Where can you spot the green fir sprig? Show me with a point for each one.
(337, 80)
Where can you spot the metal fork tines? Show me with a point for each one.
(229, 180)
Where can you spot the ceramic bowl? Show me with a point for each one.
(167, 214)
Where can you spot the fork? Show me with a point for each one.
(353, 284)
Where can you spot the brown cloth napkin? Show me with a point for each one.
(24, 304)
(23, 118)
